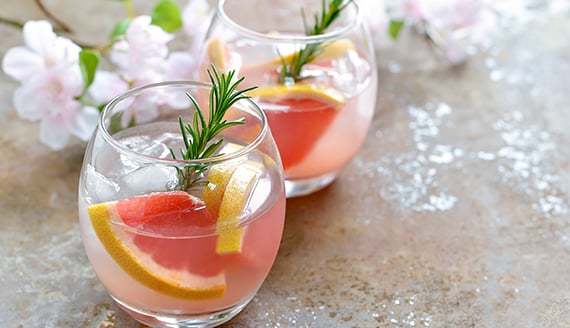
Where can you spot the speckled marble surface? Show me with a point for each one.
(456, 212)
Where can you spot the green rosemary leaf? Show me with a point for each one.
(291, 71)
(200, 135)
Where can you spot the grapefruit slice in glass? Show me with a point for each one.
(298, 115)
(147, 237)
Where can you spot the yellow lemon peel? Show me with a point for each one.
(219, 56)
(329, 50)
(218, 177)
(301, 90)
(216, 53)
(236, 196)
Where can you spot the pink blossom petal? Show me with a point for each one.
(144, 51)
(409, 10)
(119, 55)
(83, 122)
(54, 133)
(106, 86)
(196, 17)
(39, 36)
(48, 94)
(146, 113)
(142, 34)
(44, 51)
(146, 40)
(27, 104)
(144, 108)
(70, 79)
(65, 51)
(374, 14)
(55, 51)
(180, 66)
(21, 64)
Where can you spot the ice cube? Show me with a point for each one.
(144, 145)
(157, 149)
(149, 178)
(155, 146)
(353, 73)
(98, 187)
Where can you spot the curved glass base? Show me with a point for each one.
(207, 319)
(303, 187)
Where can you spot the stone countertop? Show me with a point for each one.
(455, 213)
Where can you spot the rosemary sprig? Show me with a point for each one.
(291, 71)
(199, 135)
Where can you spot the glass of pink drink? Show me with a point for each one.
(171, 256)
(319, 118)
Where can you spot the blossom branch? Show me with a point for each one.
(63, 84)
(11, 22)
(60, 24)
(130, 9)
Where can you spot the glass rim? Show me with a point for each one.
(290, 38)
(101, 126)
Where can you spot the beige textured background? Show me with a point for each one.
(454, 214)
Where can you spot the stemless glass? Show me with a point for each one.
(172, 257)
(320, 119)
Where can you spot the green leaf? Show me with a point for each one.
(101, 107)
(88, 62)
(395, 28)
(167, 15)
(115, 124)
(120, 29)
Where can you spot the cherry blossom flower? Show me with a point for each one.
(51, 83)
(376, 18)
(44, 50)
(107, 85)
(177, 66)
(142, 57)
(142, 53)
(411, 11)
(196, 17)
(455, 26)
(180, 66)
(56, 84)
(458, 24)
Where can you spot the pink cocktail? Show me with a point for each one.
(320, 117)
(171, 256)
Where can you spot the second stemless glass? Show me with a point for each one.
(320, 119)
(172, 255)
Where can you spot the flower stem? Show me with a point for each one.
(11, 22)
(130, 9)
